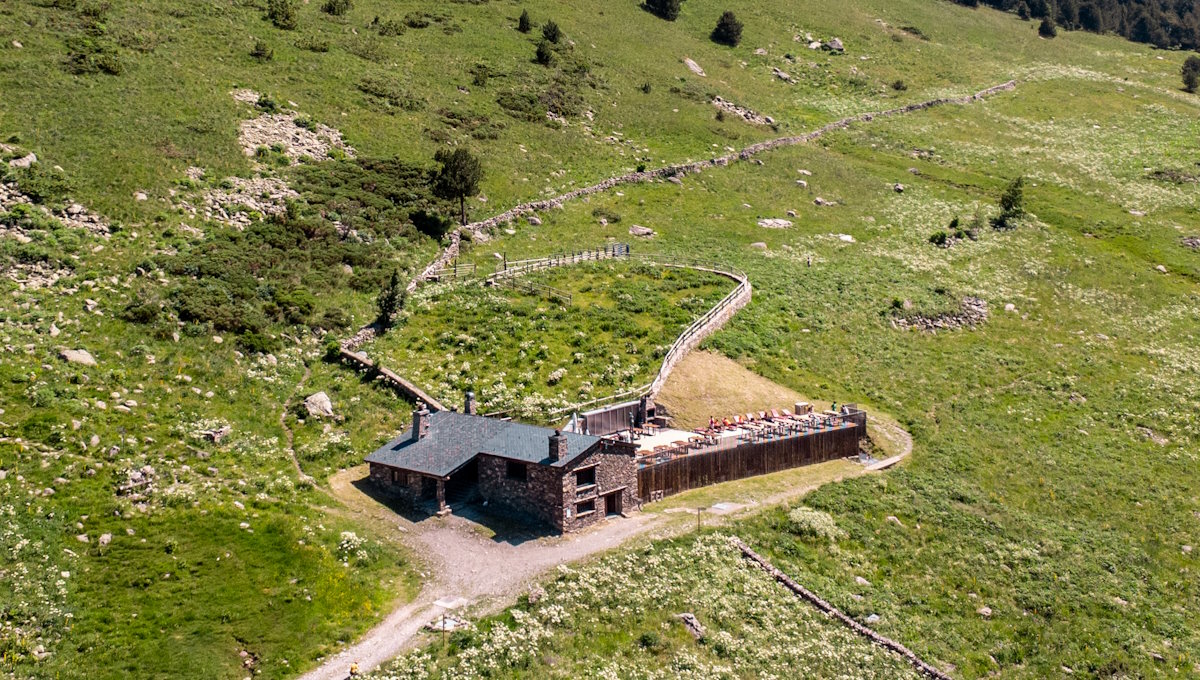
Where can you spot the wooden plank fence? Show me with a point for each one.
(748, 459)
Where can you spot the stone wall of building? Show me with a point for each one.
(539, 495)
(407, 486)
(615, 472)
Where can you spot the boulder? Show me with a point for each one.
(836, 45)
(759, 244)
(24, 162)
(639, 230)
(774, 223)
(535, 220)
(77, 356)
(319, 405)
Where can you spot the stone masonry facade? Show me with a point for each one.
(553, 494)
(615, 475)
(409, 487)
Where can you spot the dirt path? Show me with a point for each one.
(289, 436)
(465, 567)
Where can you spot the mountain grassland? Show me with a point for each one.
(1046, 520)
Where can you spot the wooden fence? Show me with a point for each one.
(516, 268)
(747, 459)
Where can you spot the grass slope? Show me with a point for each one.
(1053, 472)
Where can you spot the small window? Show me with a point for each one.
(585, 508)
(585, 477)
(516, 471)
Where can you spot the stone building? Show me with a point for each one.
(566, 480)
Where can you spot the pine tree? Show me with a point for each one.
(544, 55)
(666, 9)
(283, 13)
(1012, 204)
(728, 30)
(1191, 73)
(524, 24)
(390, 301)
(1047, 28)
(551, 32)
(458, 177)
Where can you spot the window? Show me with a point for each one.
(585, 477)
(585, 508)
(516, 471)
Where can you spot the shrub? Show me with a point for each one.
(524, 24)
(262, 51)
(728, 30)
(390, 92)
(899, 86)
(551, 32)
(646, 88)
(42, 184)
(666, 9)
(1191, 73)
(939, 238)
(283, 14)
(267, 104)
(522, 105)
(313, 44)
(416, 20)
(337, 8)
(544, 55)
(1047, 29)
(388, 28)
(88, 55)
(810, 523)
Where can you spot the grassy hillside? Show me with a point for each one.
(1053, 477)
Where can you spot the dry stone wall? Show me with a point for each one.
(836, 613)
(681, 170)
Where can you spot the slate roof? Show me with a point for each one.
(455, 438)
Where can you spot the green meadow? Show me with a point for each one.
(1046, 518)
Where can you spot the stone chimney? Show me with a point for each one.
(469, 404)
(420, 426)
(558, 446)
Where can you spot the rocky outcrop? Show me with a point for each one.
(1192, 242)
(314, 140)
(742, 112)
(694, 67)
(973, 313)
(774, 223)
(237, 202)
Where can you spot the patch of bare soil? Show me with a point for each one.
(708, 384)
